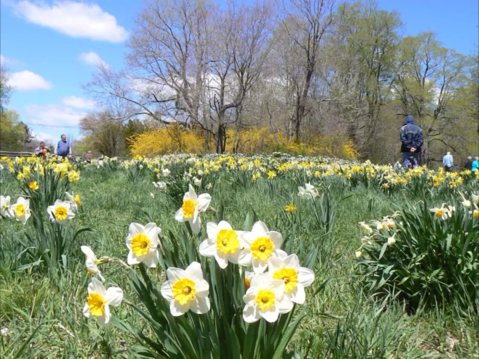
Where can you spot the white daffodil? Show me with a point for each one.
(186, 290)
(142, 241)
(159, 185)
(247, 279)
(21, 210)
(465, 202)
(380, 226)
(307, 191)
(265, 299)
(392, 240)
(5, 206)
(259, 245)
(295, 278)
(197, 181)
(442, 212)
(475, 213)
(366, 227)
(99, 301)
(192, 206)
(60, 211)
(389, 223)
(165, 172)
(475, 199)
(223, 243)
(74, 200)
(358, 253)
(91, 261)
(366, 240)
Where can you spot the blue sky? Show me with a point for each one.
(51, 47)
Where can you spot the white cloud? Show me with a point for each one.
(92, 58)
(79, 102)
(28, 81)
(7, 61)
(76, 19)
(46, 137)
(4, 60)
(53, 115)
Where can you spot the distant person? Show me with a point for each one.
(63, 148)
(448, 162)
(41, 150)
(88, 157)
(468, 165)
(411, 142)
(475, 164)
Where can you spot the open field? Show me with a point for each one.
(347, 313)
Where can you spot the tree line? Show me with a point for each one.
(303, 69)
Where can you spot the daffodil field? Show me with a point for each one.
(231, 256)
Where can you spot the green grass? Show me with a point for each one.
(342, 321)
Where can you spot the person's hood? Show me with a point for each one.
(409, 120)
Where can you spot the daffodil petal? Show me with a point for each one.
(114, 296)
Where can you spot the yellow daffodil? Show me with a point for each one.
(33, 185)
(290, 208)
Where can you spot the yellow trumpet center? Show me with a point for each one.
(227, 241)
(262, 248)
(96, 304)
(61, 213)
(184, 290)
(188, 208)
(20, 210)
(265, 299)
(140, 244)
(289, 277)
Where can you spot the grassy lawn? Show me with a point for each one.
(43, 313)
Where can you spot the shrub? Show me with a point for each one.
(428, 256)
(253, 140)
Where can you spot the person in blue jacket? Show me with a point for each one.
(475, 164)
(63, 148)
(411, 141)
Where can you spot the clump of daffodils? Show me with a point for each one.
(308, 191)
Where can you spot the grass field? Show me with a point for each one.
(41, 311)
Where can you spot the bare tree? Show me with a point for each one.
(305, 24)
(241, 36)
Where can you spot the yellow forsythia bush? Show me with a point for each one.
(174, 139)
